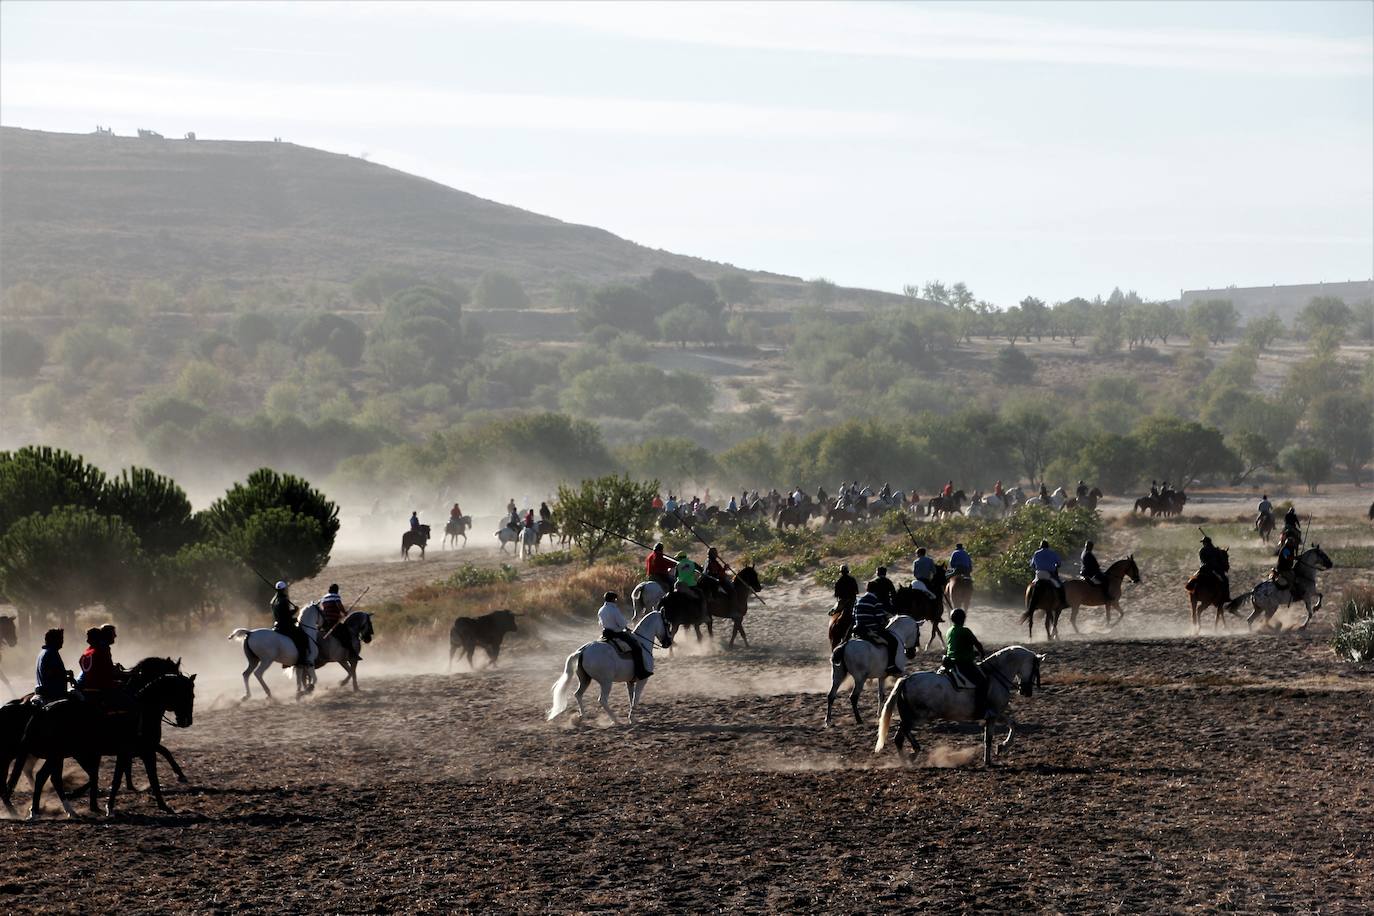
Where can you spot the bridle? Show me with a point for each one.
(138, 696)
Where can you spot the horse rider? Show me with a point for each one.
(870, 623)
(671, 505)
(732, 507)
(545, 513)
(99, 678)
(1265, 508)
(415, 520)
(284, 622)
(923, 571)
(1283, 565)
(882, 587)
(717, 575)
(1214, 560)
(821, 496)
(1081, 491)
(1088, 568)
(960, 563)
(510, 507)
(846, 590)
(615, 629)
(688, 576)
(529, 518)
(1045, 562)
(657, 503)
(455, 513)
(1291, 525)
(1044, 493)
(998, 492)
(962, 653)
(332, 612)
(51, 675)
(660, 568)
(886, 492)
(948, 491)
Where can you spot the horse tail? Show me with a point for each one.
(837, 655)
(885, 720)
(560, 702)
(1235, 604)
(1030, 604)
(241, 633)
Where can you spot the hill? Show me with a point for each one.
(244, 213)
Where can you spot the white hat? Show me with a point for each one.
(281, 585)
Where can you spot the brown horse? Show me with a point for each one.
(1204, 591)
(915, 603)
(841, 622)
(1083, 594)
(1043, 596)
(952, 504)
(735, 605)
(1089, 501)
(1265, 526)
(417, 537)
(959, 592)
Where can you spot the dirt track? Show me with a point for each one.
(1149, 775)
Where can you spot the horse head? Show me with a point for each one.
(1132, 570)
(174, 693)
(1315, 556)
(750, 577)
(363, 628)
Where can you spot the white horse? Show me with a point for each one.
(1014, 497)
(646, 596)
(987, 507)
(506, 536)
(263, 646)
(603, 663)
(1058, 498)
(529, 542)
(861, 659)
(930, 695)
(1266, 597)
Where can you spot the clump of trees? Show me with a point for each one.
(72, 537)
(601, 511)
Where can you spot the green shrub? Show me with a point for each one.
(470, 576)
(552, 558)
(1354, 635)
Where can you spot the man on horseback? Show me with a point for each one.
(870, 623)
(960, 563)
(96, 664)
(52, 675)
(332, 612)
(923, 571)
(1088, 567)
(962, 653)
(415, 520)
(615, 629)
(545, 513)
(882, 587)
(1292, 528)
(660, 568)
(1264, 510)
(688, 576)
(1283, 565)
(717, 575)
(1081, 491)
(284, 622)
(846, 590)
(455, 513)
(1215, 561)
(1045, 562)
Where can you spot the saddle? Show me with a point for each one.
(622, 647)
(956, 678)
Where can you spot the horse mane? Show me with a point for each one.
(155, 664)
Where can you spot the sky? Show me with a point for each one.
(1047, 149)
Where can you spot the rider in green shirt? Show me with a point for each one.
(962, 652)
(687, 572)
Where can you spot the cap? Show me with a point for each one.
(609, 596)
(281, 585)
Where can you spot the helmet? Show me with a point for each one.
(844, 570)
(682, 555)
(659, 546)
(957, 615)
(1207, 541)
(281, 585)
(609, 596)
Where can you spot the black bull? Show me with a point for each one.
(486, 631)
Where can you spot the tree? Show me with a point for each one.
(497, 290)
(1216, 319)
(626, 308)
(688, 322)
(277, 522)
(1183, 451)
(668, 289)
(1014, 367)
(735, 288)
(1262, 332)
(68, 559)
(602, 511)
(39, 479)
(1343, 423)
(22, 353)
(252, 329)
(753, 462)
(1325, 312)
(338, 336)
(821, 291)
(1035, 315)
(960, 297)
(1028, 428)
(675, 459)
(1255, 452)
(1311, 465)
(154, 508)
(936, 291)
(1113, 462)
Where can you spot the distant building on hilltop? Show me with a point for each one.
(1285, 301)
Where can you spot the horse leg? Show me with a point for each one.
(584, 681)
(1073, 618)
(987, 743)
(836, 677)
(1006, 742)
(252, 663)
(1311, 609)
(854, 697)
(150, 767)
(262, 666)
(452, 650)
(123, 763)
(630, 690)
(739, 626)
(606, 700)
(171, 762)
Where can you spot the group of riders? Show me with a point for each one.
(1215, 562)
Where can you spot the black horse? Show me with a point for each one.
(86, 730)
(415, 537)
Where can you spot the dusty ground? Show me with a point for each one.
(1152, 773)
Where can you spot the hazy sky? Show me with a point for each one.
(1047, 149)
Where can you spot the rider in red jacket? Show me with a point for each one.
(660, 568)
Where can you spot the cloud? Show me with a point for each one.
(150, 94)
(905, 30)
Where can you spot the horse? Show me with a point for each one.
(734, 605)
(545, 528)
(793, 516)
(357, 628)
(931, 608)
(681, 610)
(1203, 592)
(959, 591)
(529, 542)
(645, 597)
(508, 535)
(486, 631)
(1043, 596)
(860, 659)
(457, 527)
(416, 537)
(1081, 593)
(263, 646)
(987, 507)
(1089, 501)
(603, 663)
(1058, 498)
(9, 636)
(86, 731)
(930, 695)
(1267, 596)
(841, 622)
(952, 504)
(1264, 524)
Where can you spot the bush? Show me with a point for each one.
(496, 290)
(77, 348)
(1014, 367)
(251, 330)
(469, 576)
(1354, 633)
(22, 354)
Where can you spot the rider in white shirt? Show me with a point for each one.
(615, 629)
(1265, 507)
